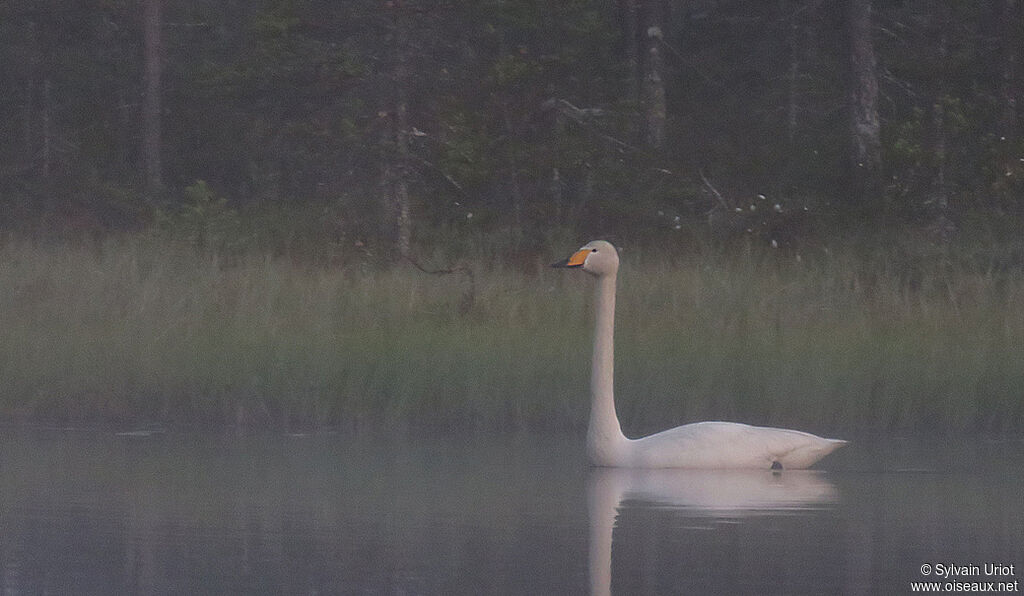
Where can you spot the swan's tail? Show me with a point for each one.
(807, 455)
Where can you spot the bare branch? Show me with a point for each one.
(714, 191)
(468, 297)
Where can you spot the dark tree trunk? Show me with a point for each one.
(396, 220)
(397, 224)
(653, 96)
(629, 16)
(939, 184)
(28, 126)
(792, 81)
(402, 213)
(151, 136)
(865, 130)
(939, 181)
(1011, 42)
(514, 185)
(47, 130)
(795, 47)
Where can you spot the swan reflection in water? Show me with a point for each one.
(702, 493)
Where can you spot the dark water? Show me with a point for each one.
(98, 513)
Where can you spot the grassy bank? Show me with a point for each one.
(148, 331)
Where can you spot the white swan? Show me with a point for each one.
(697, 445)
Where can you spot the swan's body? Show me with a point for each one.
(697, 445)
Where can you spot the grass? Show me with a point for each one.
(147, 331)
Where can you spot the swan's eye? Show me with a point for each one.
(593, 250)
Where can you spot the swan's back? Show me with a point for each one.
(728, 445)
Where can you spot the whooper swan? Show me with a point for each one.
(697, 445)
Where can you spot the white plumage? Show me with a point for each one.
(698, 445)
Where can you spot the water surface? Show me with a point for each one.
(91, 512)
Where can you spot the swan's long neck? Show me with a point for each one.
(604, 433)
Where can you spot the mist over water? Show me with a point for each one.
(167, 513)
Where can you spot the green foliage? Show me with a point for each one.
(522, 116)
(858, 338)
(906, 144)
(510, 70)
(204, 220)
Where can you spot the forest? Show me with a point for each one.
(397, 122)
(228, 211)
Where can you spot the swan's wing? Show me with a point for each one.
(730, 445)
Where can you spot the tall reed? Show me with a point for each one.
(144, 330)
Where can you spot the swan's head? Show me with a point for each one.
(596, 258)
